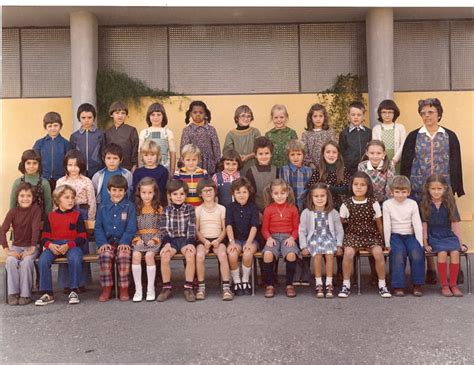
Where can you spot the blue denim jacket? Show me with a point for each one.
(52, 152)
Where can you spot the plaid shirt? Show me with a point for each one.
(298, 179)
(179, 221)
(380, 180)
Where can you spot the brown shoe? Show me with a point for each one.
(398, 292)
(13, 299)
(123, 294)
(105, 295)
(417, 290)
(319, 291)
(456, 291)
(24, 300)
(165, 294)
(189, 295)
(446, 292)
(269, 291)
(290, 291)
(329, 291)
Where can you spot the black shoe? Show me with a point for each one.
(238, 290)
(247, 288)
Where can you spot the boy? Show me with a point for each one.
(112, 156)
(115, 226)
(298, 176)
(190, 173)
(52, 148)
(88, 140)
(178, 227)
(263, 172)
(124, 135)
(354, 137)
(403, 236)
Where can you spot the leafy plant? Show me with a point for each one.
(346, 89)
(113, 85)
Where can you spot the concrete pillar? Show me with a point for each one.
(84, 60)
(379, 30)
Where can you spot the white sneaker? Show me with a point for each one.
(138, 297)
(45, 300)
(384, 292)
(150, 295)
(73, 298)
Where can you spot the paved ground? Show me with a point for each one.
(360, 329)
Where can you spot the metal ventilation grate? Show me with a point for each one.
(462, 55)
(11, 80)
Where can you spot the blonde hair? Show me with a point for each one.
(150, 147)
(60, 191)
(278, 107)
(400, 182)
(295, 145)
(191, 149)
(267, 191)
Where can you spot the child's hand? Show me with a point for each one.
(305, 252)
(166, 249)
(27, 252)
(54, 248)
(428, 248)
(290, 242)
(63, 249)
(270, 242)
(104, 248)
(231, 248)
(207, 244)
(137, 243)
(387, 249)
(339, 251)
(124, 248)
(215, 243)
(189, 249)
(13, 253)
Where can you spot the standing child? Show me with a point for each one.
(178, 228)
(280, 135)
(115, 226)
(113, 157)
(150, 157)
(317, 133)
(354, 137)
(25, 219)
(190, 173)
(147, 240)
(263, 173)
(242, 221)
(123, 135)
(280, 230)
(229, 171)
(320, 234)
(64, 233)
(30, 167)
(210, 232)
(390, 133)
(158, 132)
(377, 166)
(442, 231)
(364, 229)
(52, 148)
(243, 137)
(88, 140)
(200, 133)
(403, 235)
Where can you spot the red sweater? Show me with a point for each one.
(67, 225)
(280, 218)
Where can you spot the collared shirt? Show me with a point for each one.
(242, 218)
(425, 131)
(370, 167)
(228, 178)
(352, 127)
(298, 178)
(179, 221)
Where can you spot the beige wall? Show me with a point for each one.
(22, 125)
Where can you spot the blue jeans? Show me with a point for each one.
(403, 246)
(74, 257)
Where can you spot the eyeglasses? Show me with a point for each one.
(429, 112)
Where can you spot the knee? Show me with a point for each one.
(268, 257)
(200, 256)
(349, 253)
(291, 257)
(11, 262)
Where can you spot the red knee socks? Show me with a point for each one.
(453, 274)
(442, 271)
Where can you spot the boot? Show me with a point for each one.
(105, 295)
(123, 294)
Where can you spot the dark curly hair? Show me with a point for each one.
(207, 112)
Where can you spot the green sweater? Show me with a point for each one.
(33, 180)
(242, 141)
(279, 138)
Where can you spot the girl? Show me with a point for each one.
(364, 229)
(280, 230)
(30, 167)
(442, 231)
(391, 134)
(332, 172)
(376, 165)
(210, 232)
(280, 135)
(25, 219)
(200, 133)
(63, 235)
(147, 240)
(243, 137)
(317, 133)
(150, 157)
(75, 167)
(242, 221)
(229, 167)
(158, 132)
(320, 234)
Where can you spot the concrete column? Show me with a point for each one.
(379, 30)
(84, 60)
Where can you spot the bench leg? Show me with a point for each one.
(253, 273)
(115, 279)
(468, 272)
(358, 273)
(6, 286)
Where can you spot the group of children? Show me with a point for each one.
(289, 198)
